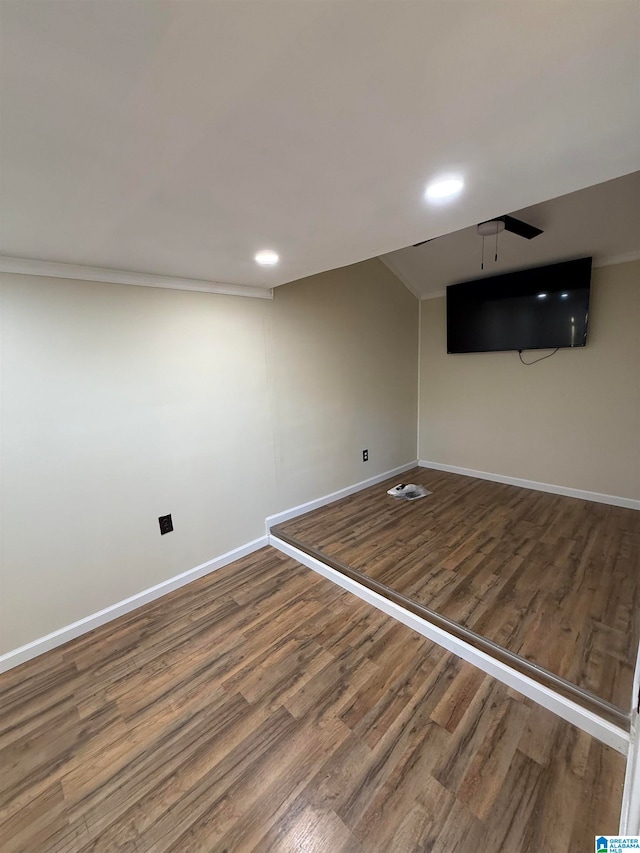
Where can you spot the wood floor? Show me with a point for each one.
(551, 578)
(263, 708)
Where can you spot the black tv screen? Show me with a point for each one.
(541, 308)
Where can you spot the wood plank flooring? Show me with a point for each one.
(263, 708)
(551, 578)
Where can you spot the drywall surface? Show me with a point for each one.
(344, 373)
(572, 420)
(120, 404)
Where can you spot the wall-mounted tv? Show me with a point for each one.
(540, 308)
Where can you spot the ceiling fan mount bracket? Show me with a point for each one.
(491, 227)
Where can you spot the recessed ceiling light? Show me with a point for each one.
(564, 296)
(542, 296)
(266, 258)
(444, 188)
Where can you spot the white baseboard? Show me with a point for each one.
(597, 497)
(603, 730)
(286, 514)
(83, 626)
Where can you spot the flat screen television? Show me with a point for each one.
(541, 308)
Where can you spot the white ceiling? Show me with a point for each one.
(601, 221)
(178, 138)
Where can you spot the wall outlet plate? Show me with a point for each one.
(365, 455)
(166, 525)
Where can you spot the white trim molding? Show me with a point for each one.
(630, 812)
(83, 626)
(295, 511)
(610, 260)
(606, 261)
(53, 269)
(605, 731)
(597, 497)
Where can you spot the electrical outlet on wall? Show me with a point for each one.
(365, 455)
(166, 525)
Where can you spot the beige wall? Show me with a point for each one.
(120, 404)
(571, 420)
(344, 366)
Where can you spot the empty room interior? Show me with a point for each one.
(319, 426)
